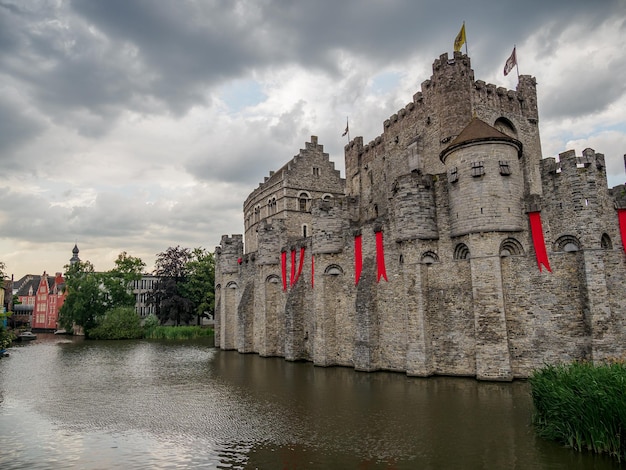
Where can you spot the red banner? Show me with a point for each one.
(300, 263)
(538, 241)
(358, 258)
(283, 268)
(292, 278)
(312, 271)
(621, 216)
(380, 257)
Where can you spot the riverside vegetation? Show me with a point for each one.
(102, 303)
(123, 323)
(582, 406)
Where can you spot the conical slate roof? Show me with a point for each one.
(479, 131)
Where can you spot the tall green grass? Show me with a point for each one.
(582, 406)
(177, 332)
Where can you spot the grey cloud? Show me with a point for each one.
(16, 128)
(182, 48)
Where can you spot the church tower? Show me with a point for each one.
(74, 259)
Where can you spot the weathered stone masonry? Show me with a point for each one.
(450, 183)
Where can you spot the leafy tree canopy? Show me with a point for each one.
(118, 281)
(200, 284)
(86, 299)
(184, 290)
(90, 294)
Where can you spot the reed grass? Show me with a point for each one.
(582, 406)
(177, 332)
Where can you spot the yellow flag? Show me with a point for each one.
(460, 39)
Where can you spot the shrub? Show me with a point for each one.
(6, 338)
(582, 406)
(178, 332)
(118, 323)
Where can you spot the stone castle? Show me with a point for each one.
(450, 248)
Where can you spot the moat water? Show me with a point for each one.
(69, 403)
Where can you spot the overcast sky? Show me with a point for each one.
(135, 125)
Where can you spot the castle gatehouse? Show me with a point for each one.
(451, 247)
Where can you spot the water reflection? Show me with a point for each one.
(148, 404)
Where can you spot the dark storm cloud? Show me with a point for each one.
(106, 55)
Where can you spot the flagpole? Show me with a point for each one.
(348, 127)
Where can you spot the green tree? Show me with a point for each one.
(199, 287)
(168, 294)
(86, 299)
(118, 281)
(118, 323)
(90, 294)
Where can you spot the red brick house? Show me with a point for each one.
(43, 297)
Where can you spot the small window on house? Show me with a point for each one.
(478, 169)
(304, 231)
(504, 168)
(453, 175)
(316, 171)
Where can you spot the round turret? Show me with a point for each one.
(485, 181)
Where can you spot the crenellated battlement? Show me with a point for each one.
(571, 164)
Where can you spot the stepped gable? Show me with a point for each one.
(479, 131)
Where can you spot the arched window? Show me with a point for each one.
(505, 126)
(271, 206)
(303, 202)
(327, 197)
(333, 270)
(510, 247)
(605, 242)
(461, 251)
(272, 279)
(429, 257)
(567, 243)
(305, 230)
